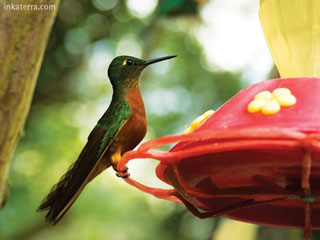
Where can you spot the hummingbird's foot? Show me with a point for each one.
(123, 173)
(118, 171)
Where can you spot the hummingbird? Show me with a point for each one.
(121, 128)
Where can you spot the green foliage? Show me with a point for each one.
(178, 7)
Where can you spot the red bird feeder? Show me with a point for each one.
(256, 159)
(256, 166)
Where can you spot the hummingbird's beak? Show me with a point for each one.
(151, 61)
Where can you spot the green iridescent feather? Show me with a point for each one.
(112, 121)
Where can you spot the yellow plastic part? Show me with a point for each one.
(270, 103)
(281, 92)
(271, 107)
(286, 101)
(256, 105)
(267, 95)
(198, 121)
(292, 31)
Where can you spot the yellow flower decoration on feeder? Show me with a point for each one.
(270, 103)
(198, 121)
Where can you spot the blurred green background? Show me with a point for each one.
(220, 48)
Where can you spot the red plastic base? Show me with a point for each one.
(251, 167)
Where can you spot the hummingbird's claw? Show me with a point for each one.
(122, 171)
(123, 175)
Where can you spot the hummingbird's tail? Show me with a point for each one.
(53, 201)
(71, 184)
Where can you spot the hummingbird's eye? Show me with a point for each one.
(129, 62)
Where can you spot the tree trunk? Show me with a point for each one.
(23, 36)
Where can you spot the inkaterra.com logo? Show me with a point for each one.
(28, 7)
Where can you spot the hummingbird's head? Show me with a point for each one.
(125, 70)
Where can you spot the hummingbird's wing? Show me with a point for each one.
(66, 191)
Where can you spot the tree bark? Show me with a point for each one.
(23, 38)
